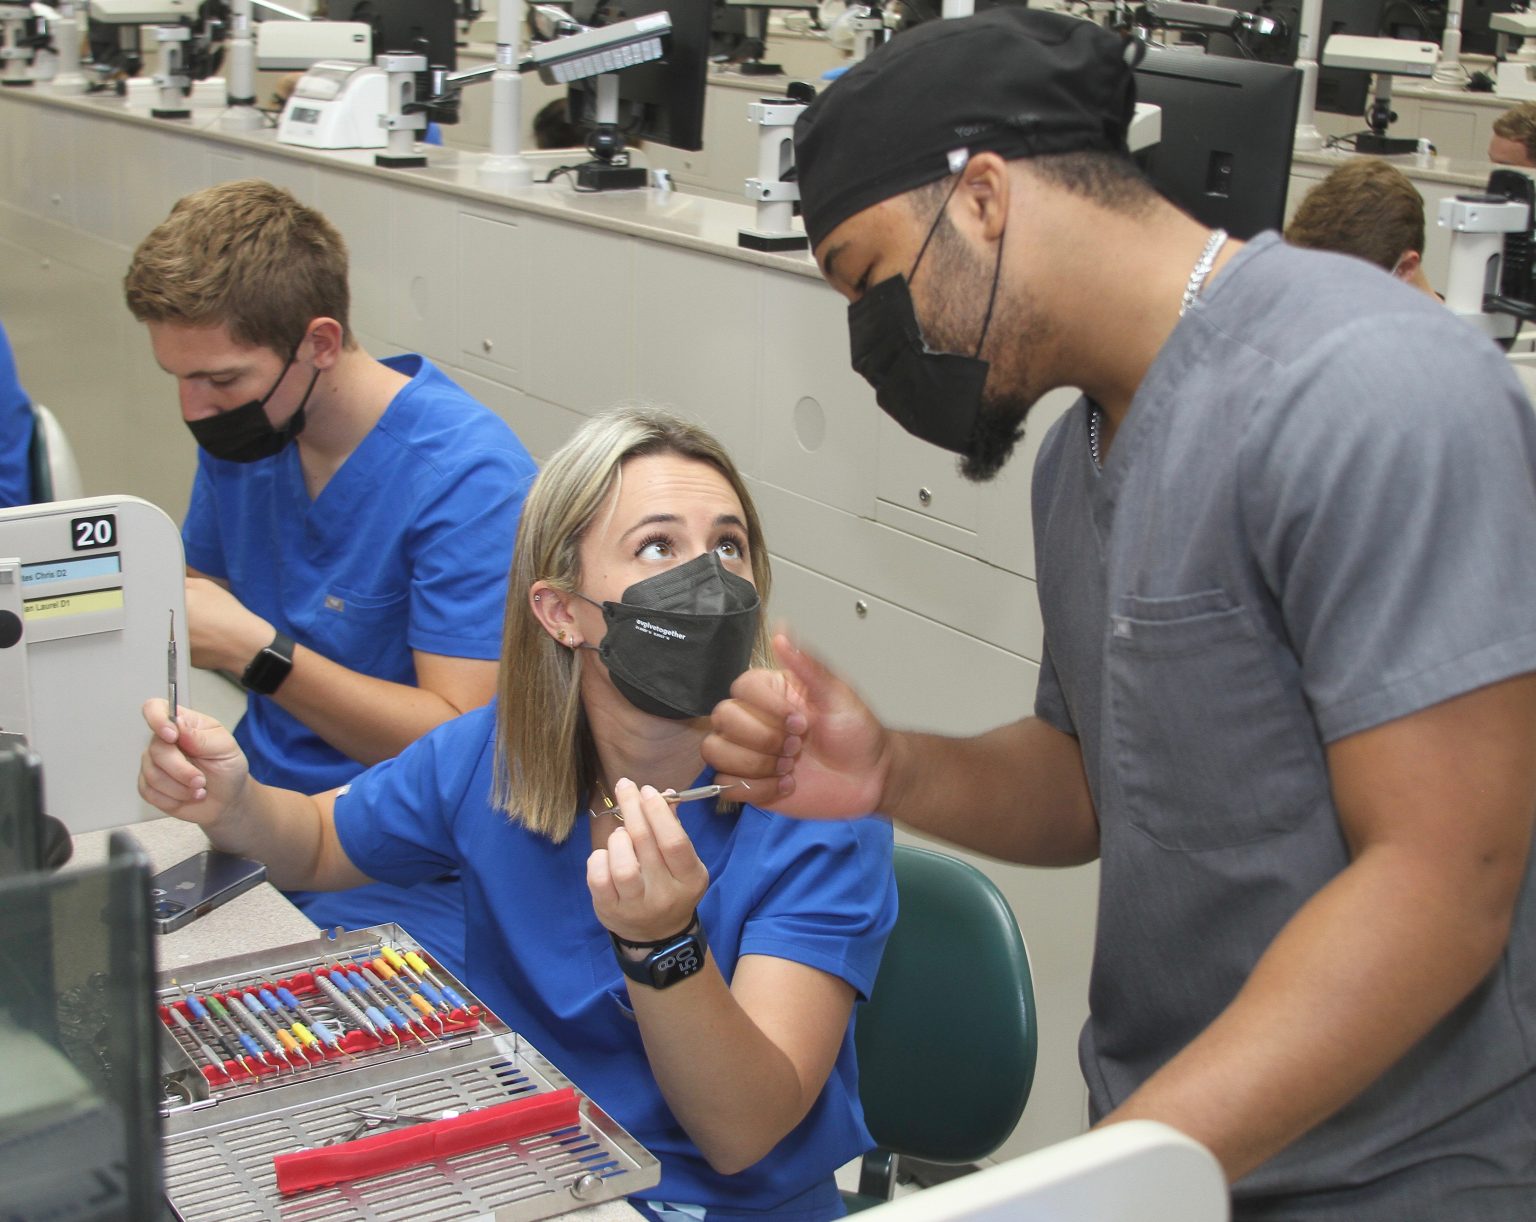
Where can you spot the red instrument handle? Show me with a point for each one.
(426, 1142)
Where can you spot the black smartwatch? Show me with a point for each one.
(270, 667)
(670, 960)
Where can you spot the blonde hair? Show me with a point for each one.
(545, 756)
(248, 256)
(1518, 123)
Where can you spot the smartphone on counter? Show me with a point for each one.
(181, 893)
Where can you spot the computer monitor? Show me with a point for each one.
(661, 101)
(1136, 1171)
(425, 26)
(1476, 37)
(1340, 91)
(739, 32)
(730, 32)
(1345, 91)
(78, 1037)
(30, 839)
(1228, 126)
(21, 809)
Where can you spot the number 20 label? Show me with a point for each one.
(88, 534)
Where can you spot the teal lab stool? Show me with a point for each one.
(51, 460)
(947, 1041)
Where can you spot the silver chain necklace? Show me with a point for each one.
(1197, 278)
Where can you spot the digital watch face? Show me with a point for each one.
(676, 962)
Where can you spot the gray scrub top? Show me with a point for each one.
(1318, 516)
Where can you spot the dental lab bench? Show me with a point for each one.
(259, 919)
(547, 305)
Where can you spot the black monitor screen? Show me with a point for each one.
(1227, 130)
(21, 809)
(1475, 34)
(661, 101)
(1341, 91)
(406, 25)
(1345, 91)
(78, 1035)
(729, 30)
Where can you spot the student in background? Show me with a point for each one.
(16, 426)
(1514, 137)
(1367, 208)
(351, 521)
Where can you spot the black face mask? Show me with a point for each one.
(244, 434)
(677, 641)
(935, 396)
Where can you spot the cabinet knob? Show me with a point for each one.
(861, 608)
(925, 496)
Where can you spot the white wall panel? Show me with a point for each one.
(423, 260)
(698, 341)
(361, 213)
(492, 313)
(582, 322)
(819, 423)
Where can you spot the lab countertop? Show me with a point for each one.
(260, 918)
(672, 217)
(1455, 171)
(1407, 87)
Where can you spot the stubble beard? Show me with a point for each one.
(1014, 338)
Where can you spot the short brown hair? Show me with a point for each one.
(1518, 123)
(1365, 208)
(246, 255)
(1111, 180)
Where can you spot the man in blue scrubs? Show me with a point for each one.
(351, 522)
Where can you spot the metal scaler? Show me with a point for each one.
(213, 1058)
(392, 957)
(250, 1013)
(246, 1042)
(314, 1024)
(420, 964)
(305, 1041)
(393, 978)
(343, 1003)
(201, 1011)
(381, 1025)
(375, 989)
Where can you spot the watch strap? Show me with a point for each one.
(668, 963)
(687, 929)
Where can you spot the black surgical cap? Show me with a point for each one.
(1010, 80)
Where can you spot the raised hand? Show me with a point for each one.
(193, 768)
(802, 738)
(648, 880)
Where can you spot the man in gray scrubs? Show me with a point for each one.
(1286, 552)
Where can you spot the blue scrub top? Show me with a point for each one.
(406, 548)
(15, 432)
(817, 893)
